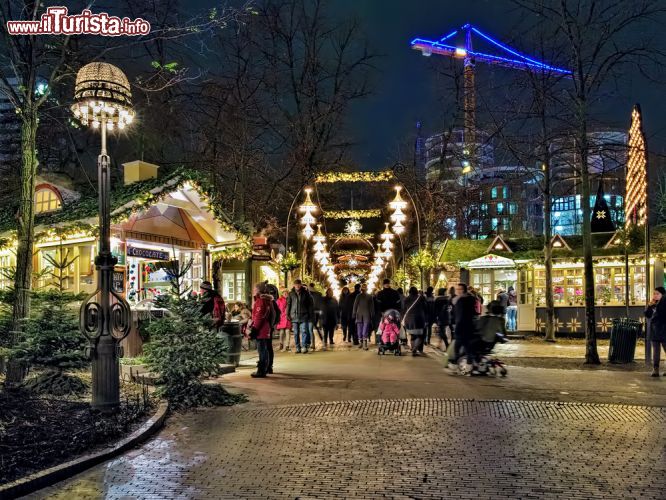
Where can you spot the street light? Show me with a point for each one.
(102, 99)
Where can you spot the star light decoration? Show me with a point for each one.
(308, 208)
(353, 227)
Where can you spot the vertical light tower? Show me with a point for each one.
(469, 99)
(636, 207)
(102, 100)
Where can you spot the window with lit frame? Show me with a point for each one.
(46, 200)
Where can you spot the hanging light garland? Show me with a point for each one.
(308, 208)
(353, 177)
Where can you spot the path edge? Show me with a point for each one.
(47, 477)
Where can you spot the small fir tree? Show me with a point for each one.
(184, 348)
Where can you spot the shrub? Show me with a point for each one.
(52, 341)
(183, 349)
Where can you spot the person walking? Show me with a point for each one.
(465, 313)
(300, 311)
(262, 319)
(453, 298)
(656, 313)
(401, 294)
(430, 314)
(284, 325)
(352, 320)
(330, 317)
(512, 310)
(388, 298)
(346, 307)
(213, 304)
(442, 313)
(315, 322)
(414, 319)
(364, 312)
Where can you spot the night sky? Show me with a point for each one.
(405, 91)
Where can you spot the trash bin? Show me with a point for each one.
(231, 334)
(624, 333)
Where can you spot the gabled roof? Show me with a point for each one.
(130, 200)
(559, 243)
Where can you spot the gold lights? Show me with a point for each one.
(635, 204)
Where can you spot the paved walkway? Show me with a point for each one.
(350, 424)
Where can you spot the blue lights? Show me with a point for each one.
(522, 61)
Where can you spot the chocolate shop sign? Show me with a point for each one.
(147, 253)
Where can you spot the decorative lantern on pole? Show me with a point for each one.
(102, 100)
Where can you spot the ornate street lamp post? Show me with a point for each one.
(102, 100)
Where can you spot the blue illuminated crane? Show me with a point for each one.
(511, 59)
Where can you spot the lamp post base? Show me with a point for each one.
(106, 375)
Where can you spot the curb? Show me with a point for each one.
(48, 477)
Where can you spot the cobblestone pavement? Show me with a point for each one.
(422, 448)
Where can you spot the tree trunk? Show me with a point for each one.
(591, 353)
(547, 222)
(548, 255)
(25, 220)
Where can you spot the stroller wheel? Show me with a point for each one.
(463, 367)
(503, 372)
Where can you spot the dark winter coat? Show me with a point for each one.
(364, 308)
(349, 306)
(346, 307)
(388, 298)
(208, 302)
(300, 306)
(442, 308)
(415, 312)
(465, 314)
(657, 316)
(317, 299)
(431, 317)
(330, 315)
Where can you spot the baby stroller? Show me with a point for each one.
(490, 330)
(388, 334)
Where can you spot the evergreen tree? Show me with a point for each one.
(184, 348)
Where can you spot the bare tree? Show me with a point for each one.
(600, 41)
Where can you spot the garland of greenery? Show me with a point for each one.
(348, 236)
(128, 201)
(353, 214)
(351, 252)
(237, 252)
(353, 177)
(290, 262)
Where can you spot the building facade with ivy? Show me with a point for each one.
(161, 225)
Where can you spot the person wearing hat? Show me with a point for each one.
(213, 304)
(656, 313)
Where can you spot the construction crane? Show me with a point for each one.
(514, 60)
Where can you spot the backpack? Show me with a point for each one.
(219, 311)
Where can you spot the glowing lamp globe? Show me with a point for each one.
(398, 202)
(308, 231)
(102, 94)
(308, 205)
(398, 228)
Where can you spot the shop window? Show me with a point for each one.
(46, 200)
(525, 286)
(194, 276)
(233, 286)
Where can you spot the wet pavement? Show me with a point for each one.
(350, 424)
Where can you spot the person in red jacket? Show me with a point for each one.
(284, 325)
(262, 321)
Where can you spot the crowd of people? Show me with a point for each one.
(303, 314)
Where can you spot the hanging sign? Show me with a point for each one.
(490, 260)
(118, 281)
(147, 253)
